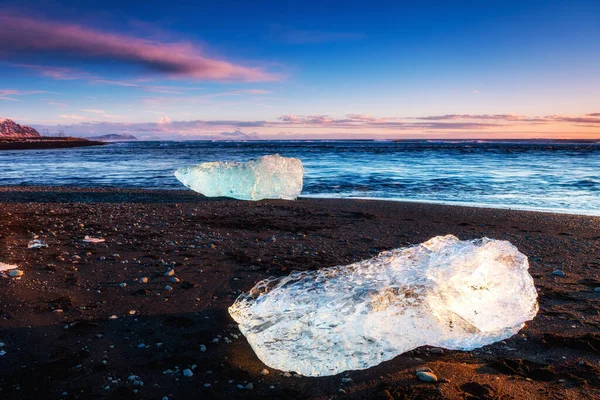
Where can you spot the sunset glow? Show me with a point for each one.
(272, 71)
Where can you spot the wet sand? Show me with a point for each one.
(71, 329)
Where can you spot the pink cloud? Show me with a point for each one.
(26, 36)
(8, 94)
(57, 73)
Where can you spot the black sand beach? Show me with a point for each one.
(71, 329)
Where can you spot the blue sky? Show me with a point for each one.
(168, 69)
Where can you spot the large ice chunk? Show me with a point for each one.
(266, 177)
(444, 292)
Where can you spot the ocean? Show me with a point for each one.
(530, 175)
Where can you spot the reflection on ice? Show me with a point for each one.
(444, 292)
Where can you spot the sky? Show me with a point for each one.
(303, 70)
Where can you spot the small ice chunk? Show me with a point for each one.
(7, 267)
(445, 293)
(36, 244)
(90, 239)
(266, 177)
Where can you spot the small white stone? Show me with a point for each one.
(264, 372)
(122, 284)
(558, 272)
(202, 348)
(207, 385)
(188, 372)
(167, 287)
(250, 386)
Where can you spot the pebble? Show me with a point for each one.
(558, 272)
(346, 380)
(427, 376)
(144, 280)
(436, 350)
(188, 372)
(175, 280)
(123, 284)
(15, 273)
(597, 289)
(170, 272)
(249, 386)
(2, 352)
(167, 287)
(287, 375)
(424, 369)
(264, 372)
(207, 385)
(202, 348)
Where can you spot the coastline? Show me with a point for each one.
(37, 143)
(221, 247)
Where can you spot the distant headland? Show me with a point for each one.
(113, 137)
(14, 136)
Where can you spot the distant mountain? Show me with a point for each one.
(8, 127)
(114, 138)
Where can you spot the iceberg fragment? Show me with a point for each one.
(444, 292)
(266, 177)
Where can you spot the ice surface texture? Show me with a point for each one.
(266, 177)
(444, 292)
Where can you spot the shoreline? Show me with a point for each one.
(187, 195)
(46, 142)
(58, 326)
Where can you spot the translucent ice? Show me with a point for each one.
(267, 177)
(444, 293)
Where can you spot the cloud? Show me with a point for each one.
(57, 104)
(351, 125)
(22, 36)
(8, 94)
(497, 117)
(95, 111)
(75, 117)
(593, 115)
(57, 73)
